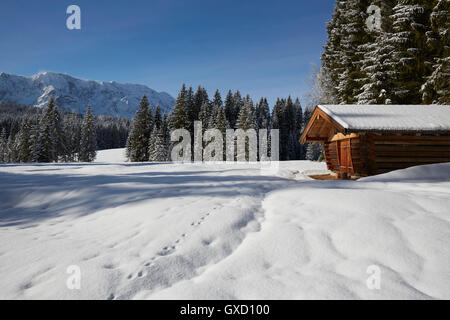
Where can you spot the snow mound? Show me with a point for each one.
(425, 173)
(111, 155)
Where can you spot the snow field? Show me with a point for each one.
(190, 231)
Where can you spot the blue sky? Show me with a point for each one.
(264, 48)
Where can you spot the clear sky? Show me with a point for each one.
(261, 47)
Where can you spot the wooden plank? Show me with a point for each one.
(412, 142)
(371, 154)
(412, 154)
(411, 138)
(412, 159)
(341, 136)
(324, 125)
(412, 148)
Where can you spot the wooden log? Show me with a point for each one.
(413, 154)
(412, 159)
(410, 138)
(412, 148)
(413, 142)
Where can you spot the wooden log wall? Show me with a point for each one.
(391, 152)
(379, 153)
(331, 155)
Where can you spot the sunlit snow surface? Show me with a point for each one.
(166, 231)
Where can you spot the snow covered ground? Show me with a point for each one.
(166, 231)
(111, 156)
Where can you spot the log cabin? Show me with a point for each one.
(363, 140)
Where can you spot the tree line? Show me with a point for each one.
(47, 136)
(149, 138)
(405, 59)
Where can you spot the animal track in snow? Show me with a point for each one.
(169, 249)
(108, 266)
(166, 251)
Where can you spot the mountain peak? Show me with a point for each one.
(75, 94)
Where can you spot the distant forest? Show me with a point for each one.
(25, 131)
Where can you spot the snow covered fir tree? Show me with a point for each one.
(403, 61)
(88, 142)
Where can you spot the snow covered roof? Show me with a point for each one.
(390, 117)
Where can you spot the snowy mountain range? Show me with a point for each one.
(76, 94)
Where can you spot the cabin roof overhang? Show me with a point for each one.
(326, 121)
(320, 127)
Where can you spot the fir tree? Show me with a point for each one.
(410, 20)
(205, 115)
(23, 145)
(377, 53)
(190, 106)
(11, 149)
(72, 129)
(166, 135)
(158, 148)
(436, 88)
(200, 97)
(229, 109)
(246, 118)
(221, 122)
(307, 146)
(88, 143)
(352, 22)
(179, 117)
(217, 102)
(3, 146)
(44, 147)
(238, 103)
(57, 135)
(298, 148)
(246, 121)
(332, 57)
(313, 151)
(157, 121)
(263, 114)
(138, 139)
